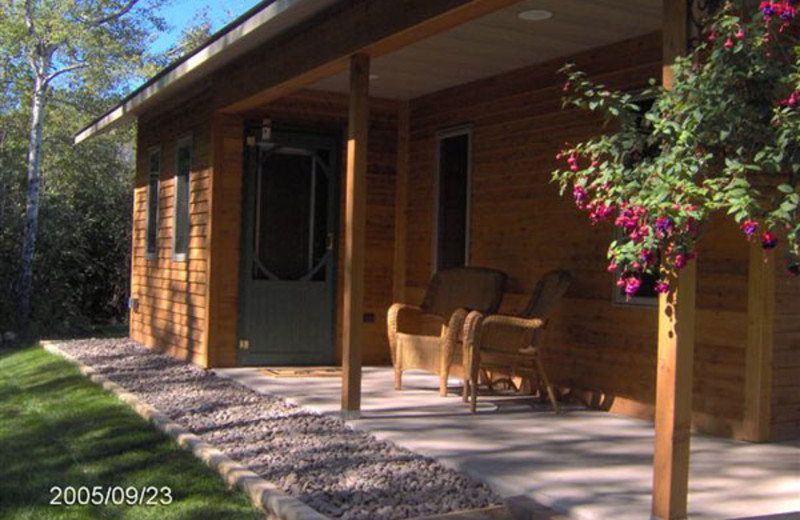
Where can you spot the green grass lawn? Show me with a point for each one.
(59, 429)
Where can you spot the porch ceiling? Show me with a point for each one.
(501, 42)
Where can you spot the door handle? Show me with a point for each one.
(329, 242)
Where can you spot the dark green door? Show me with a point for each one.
(288, 250)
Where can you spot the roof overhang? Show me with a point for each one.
(259, 25)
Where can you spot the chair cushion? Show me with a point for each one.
(472, 288)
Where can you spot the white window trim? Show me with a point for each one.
(152, 255)
(440, 136)
(184, 141)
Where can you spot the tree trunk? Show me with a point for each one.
(32, 202)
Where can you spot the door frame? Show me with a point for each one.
(297, 136)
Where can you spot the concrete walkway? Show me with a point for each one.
(589, 464)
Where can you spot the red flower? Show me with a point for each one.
(769, 240)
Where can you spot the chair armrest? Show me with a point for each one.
(410, 319)
(510, 334)
(450, 338)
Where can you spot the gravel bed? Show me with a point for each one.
(338, 471)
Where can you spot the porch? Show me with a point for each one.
(589, 464)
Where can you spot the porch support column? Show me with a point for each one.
(355, 223)
(676, 330)
(758, 356)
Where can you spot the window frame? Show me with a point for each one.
(617, 298)
(151, 249)
(441, 135)
(182, 142)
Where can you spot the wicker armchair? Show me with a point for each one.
(510, 344)
(427, 336)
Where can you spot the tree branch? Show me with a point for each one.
(94, 22)
(69, 68)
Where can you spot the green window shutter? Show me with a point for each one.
(181, 203)
(154, 173)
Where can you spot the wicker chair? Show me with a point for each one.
(427, 336)
(511, 344)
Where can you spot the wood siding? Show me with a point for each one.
(172, 295)
(521, 225)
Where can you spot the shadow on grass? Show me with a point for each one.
(59, 429)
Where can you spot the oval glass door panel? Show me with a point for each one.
(291, 216)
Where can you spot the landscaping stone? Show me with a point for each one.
(340, 472)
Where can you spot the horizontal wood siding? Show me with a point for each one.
(172, 295)
(521, 225)
(317, 112)
(785, 395)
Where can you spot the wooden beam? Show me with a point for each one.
(676, 331)
(401, 201)
(355, 236)
(321, 49)
(227, 140)
(758, 356)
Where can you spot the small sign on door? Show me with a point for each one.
(266, 129)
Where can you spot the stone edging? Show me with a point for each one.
(263, 495)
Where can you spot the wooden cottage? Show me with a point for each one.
(317, 160)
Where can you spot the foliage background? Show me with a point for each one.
(82, 260)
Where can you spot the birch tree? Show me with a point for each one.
(98, 45)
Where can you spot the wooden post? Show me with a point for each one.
(355, 223)
(676, 323)
(758, 357)
(401, 200)
(676, 329)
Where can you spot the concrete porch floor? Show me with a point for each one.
(589, 464)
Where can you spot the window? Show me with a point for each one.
(647, 295)
(153, 175)
(183, 168)
(454, 151)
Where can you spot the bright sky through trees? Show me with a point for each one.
(182, 12)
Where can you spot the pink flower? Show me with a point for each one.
(632, 285)
(579, 193)
(681, 261)
(749, 227)
(728, 43)
(662, 287)
(573, 163)
(647, 256)
(612, 267)
(664, 226)
(740, 34)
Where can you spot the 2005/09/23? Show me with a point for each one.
(112, 495)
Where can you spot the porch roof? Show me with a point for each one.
(482, 45)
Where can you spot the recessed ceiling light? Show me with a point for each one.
(373, 76)
(535, 15)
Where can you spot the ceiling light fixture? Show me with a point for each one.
(373, 76)
(535, 15)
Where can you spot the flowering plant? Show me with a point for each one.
(725, 137)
